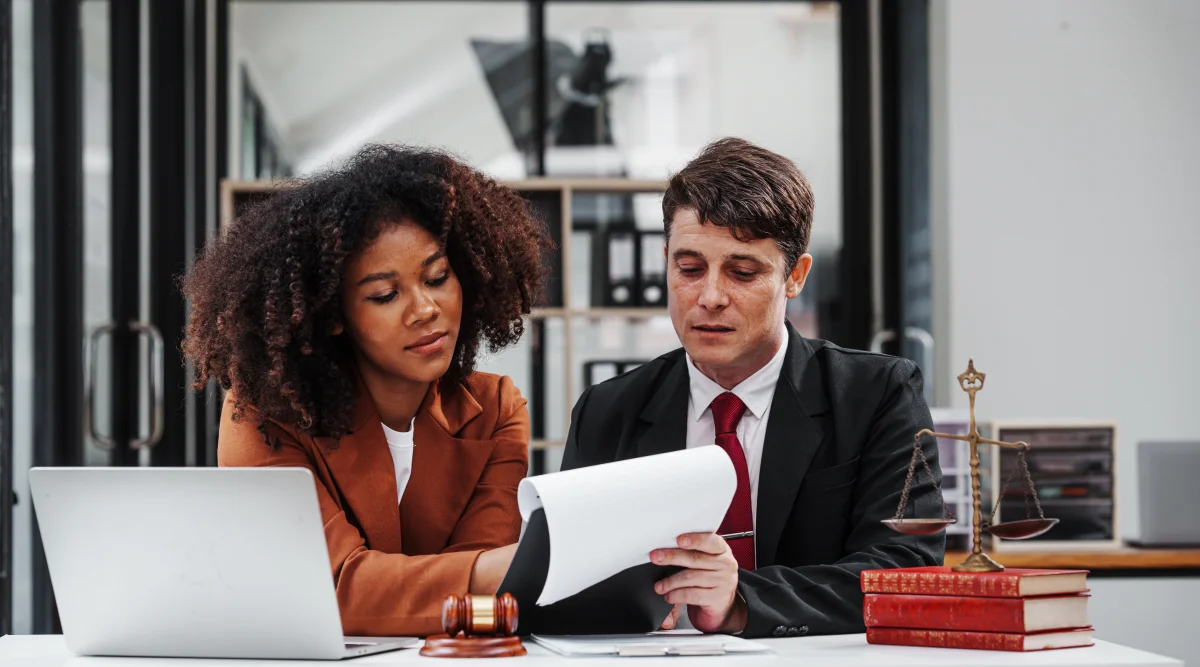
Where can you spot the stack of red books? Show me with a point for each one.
(1012, 610)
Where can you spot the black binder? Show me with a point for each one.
(622, 268)
(652, 274)
(622, 604)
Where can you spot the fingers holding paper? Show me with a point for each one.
(707, 584)
(672, 619)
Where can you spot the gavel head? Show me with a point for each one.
(480, 615)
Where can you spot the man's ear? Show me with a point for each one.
(797, 276)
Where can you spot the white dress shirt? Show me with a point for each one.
(400, 443)
(757, 392)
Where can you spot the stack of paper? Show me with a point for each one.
(654, 644)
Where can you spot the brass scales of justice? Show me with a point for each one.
(971, 382)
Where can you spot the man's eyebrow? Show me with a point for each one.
(746, 258)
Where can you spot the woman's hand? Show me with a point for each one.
(489, 570)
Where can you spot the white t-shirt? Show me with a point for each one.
(400, 443)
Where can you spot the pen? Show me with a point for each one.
(737, 536)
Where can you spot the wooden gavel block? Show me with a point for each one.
(476, 626)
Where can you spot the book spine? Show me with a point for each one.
(935, 612)
(997, 584)
(980, 641)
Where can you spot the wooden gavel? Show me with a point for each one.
(477, 626)
(480, 615)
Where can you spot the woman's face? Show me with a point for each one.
(402, 304)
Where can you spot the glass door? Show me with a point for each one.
(114, 220)
(7, 325)
(123, 351)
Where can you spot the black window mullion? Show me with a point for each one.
(58, 260)
(125, 222)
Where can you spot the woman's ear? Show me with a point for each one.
(337, 328)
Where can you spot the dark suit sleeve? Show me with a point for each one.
(573, 452)
(827, 599)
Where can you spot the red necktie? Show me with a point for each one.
(727, 411)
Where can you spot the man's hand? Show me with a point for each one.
(672, 619)
(707, 584)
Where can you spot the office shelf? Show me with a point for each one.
(1073, 464)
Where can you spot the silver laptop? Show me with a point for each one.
(1168, 493)
(192, 563)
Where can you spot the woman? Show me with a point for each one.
(343, 317)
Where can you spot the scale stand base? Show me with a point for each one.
(978, 562)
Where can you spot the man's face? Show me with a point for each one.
(727, 297)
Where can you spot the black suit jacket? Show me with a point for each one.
(837, 448)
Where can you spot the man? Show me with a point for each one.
(820, 437)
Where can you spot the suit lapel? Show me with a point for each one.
(793, 436)
(362, 469)
(666, 414)
(446, 470)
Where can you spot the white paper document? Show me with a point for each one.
(607, 518)
(654, 644)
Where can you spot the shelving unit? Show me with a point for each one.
(1074, 467)
(555, 200)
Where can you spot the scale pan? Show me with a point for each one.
(917, 526)
(1022, 530)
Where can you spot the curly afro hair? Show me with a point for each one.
(266, 295)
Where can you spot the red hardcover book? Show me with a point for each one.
(982, 641)
(944, 612)
(941, 580)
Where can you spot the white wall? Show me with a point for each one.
(1066, 138)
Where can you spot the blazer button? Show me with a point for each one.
(803, 630)
(780, 631)
(793, 632)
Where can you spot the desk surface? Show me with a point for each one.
(1124, 558)
(839, 651)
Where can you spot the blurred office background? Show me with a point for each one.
(1009, 181)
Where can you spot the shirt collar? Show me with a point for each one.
(755, 391)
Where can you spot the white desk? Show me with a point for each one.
(840, 651)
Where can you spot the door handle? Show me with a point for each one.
(89, 387)
(916, 333)
(157, 409)
(924, 338)
(926, 341)
(881, 337)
